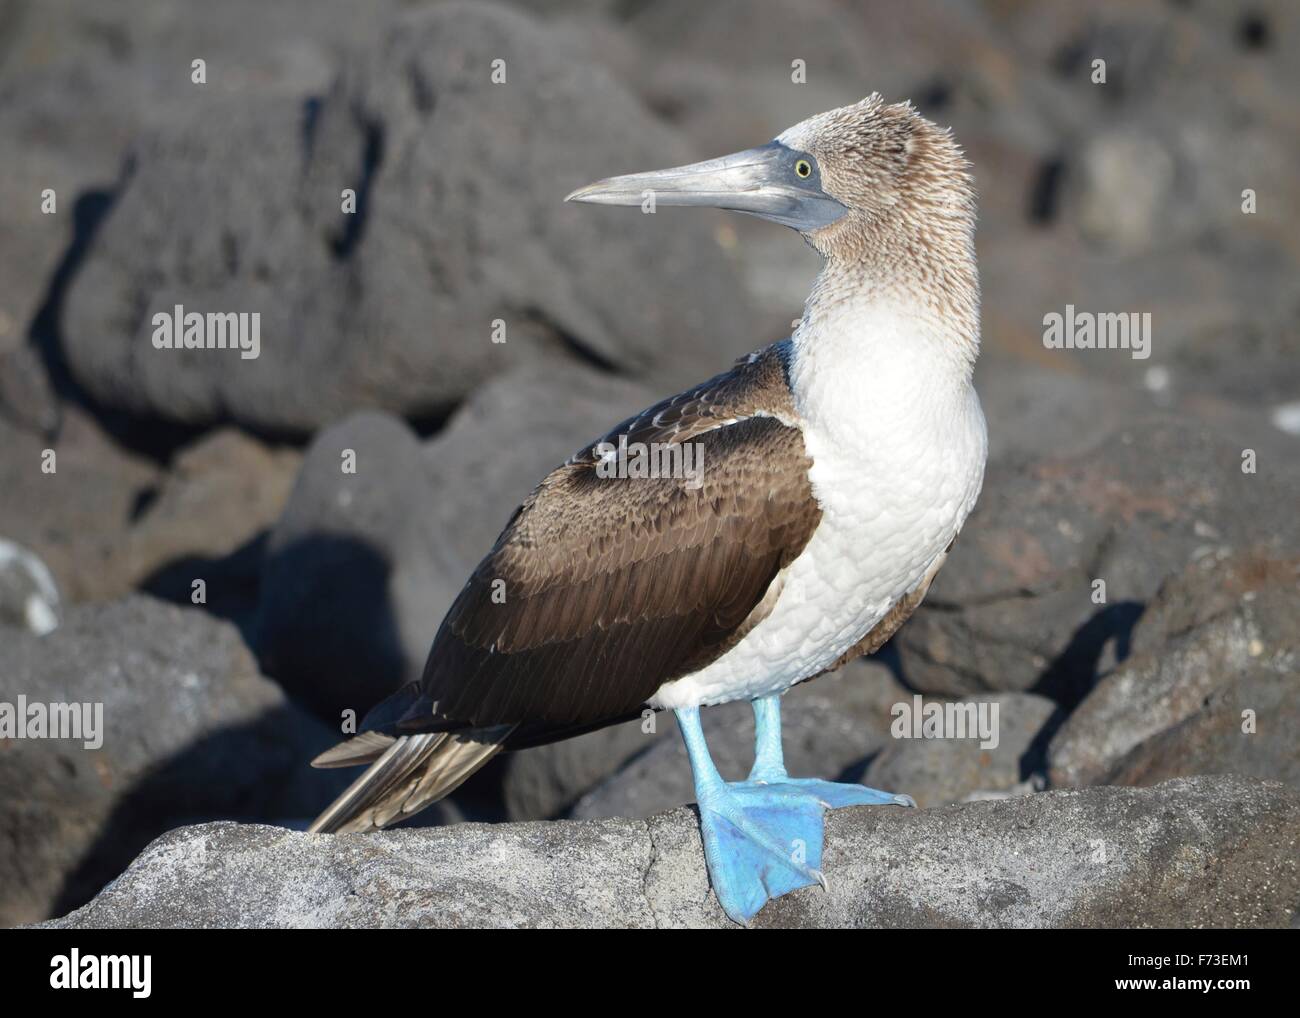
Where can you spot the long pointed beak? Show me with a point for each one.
(760, 181)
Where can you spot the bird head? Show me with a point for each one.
(844, 179)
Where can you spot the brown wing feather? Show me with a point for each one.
(614, 586)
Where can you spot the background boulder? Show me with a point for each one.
(1017, 609)
(1212, 685)
(191, 730)
(459, 223)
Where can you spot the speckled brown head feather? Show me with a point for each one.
(911, 201)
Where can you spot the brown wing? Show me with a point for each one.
(602, 589)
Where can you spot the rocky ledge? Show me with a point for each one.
(1205, 851)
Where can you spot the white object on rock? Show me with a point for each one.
(29, 596)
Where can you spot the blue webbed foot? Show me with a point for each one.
(836, 794)
(763, 836)
(760, 841)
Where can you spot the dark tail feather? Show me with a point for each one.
(414, 771)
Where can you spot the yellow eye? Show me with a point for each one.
(803, 168)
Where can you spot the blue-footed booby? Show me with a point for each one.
(838, 467)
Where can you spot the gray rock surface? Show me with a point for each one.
(79, 82)
(460, 222)
(1013, 607)
(1217, 640)
(1214, 740)
(205, 520)
(1032, 408)
(27, 398)
(107, 520)
(1192, 852)
(190, 731)
(75, 516)
(939, 771)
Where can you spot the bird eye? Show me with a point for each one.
(803, 168)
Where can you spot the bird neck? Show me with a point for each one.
(900, 334)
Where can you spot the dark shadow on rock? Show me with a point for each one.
(1254, 31)
(1073, 673)
(571, 343)
(935, 95)
(433, 420)
(153, 438)
(1034, 759)
(326, 629)
(1045, 194)
(856, 773)
(345, 242)
(233, 583)
(482, 798)
(88, 212)
(311, 107)
(889, 657)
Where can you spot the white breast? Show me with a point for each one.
(898, 443)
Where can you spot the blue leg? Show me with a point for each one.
(769, 766)
(760, 841)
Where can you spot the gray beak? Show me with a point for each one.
(761, 181)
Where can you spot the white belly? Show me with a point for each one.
(891, 505)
